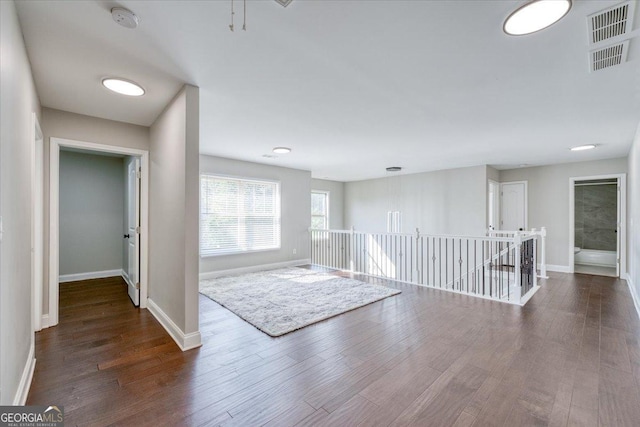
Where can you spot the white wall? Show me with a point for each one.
(173, 221)
(91, 213)
(62, 124)
(548, 188)
(18, 102)
(336, 200)
(633, 217)
(452, 201)
(295, 197)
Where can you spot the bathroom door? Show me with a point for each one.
(513, 206)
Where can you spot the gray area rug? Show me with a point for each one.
(283, 300)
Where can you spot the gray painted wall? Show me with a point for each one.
(18, 102)
(450, 201)
(62, 124)
(633, 216)
(548, 188)
(91, 212)
(336, 200)
(173, 217)
(295, 196)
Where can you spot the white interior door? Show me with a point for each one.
(513, 212)
(494, 206)
(133, 230)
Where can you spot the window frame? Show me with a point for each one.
(327, 218)
(278, 207)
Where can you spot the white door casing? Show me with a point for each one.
(513, 206)
(133, 230)
(621, 263)
(54, 225)
(493, 203)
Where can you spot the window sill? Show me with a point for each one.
(219, 254)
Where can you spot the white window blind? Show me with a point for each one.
(238, 215)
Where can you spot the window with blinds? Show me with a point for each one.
(320, 210)
(238, 215)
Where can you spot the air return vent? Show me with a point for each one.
(284, 3)
(612, 22)
(609, 56)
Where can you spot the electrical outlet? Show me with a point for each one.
(294, 251)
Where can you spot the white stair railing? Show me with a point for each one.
(498, 268)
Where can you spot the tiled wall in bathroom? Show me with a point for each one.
(596, 215)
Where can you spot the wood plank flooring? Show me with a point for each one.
(571, 357)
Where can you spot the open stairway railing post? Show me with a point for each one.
(517, 241)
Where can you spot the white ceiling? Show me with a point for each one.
(351, 86)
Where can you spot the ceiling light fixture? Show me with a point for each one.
(394, 169)
(282, 150)
(583, 147)
(123, 87)
(535, 15)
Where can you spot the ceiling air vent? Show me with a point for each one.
(284, 3)
(609, 56)
(612, 22)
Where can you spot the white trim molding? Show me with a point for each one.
(558, 268)
(44, 323)
(184, 341)
(25, 380)
(253, 268)
(54, 218)
(634, 296)
(89, 275)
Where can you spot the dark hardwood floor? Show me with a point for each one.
(425, 357)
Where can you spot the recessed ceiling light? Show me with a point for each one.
(394, 169)
(535, 16)
(282, 150)
(583, 147)
(123, 87)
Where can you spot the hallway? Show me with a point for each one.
(570, 357)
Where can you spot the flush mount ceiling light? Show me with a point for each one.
(123, 87)
(282, 150)
(394, 169)
(535, 16)
(583, 147)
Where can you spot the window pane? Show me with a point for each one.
(318, 222)
(318, 203)
(238, 215)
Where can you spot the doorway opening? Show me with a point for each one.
(597, 208)
(119, 210)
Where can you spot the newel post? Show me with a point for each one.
(517, 241)
(543, 258)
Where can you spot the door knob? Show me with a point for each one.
(126, 236)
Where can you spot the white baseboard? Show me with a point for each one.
(251, 269)
(184, 341)
(634, 295)
(25, 381)
(44, 323)
(558, 268)
(90, 275)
